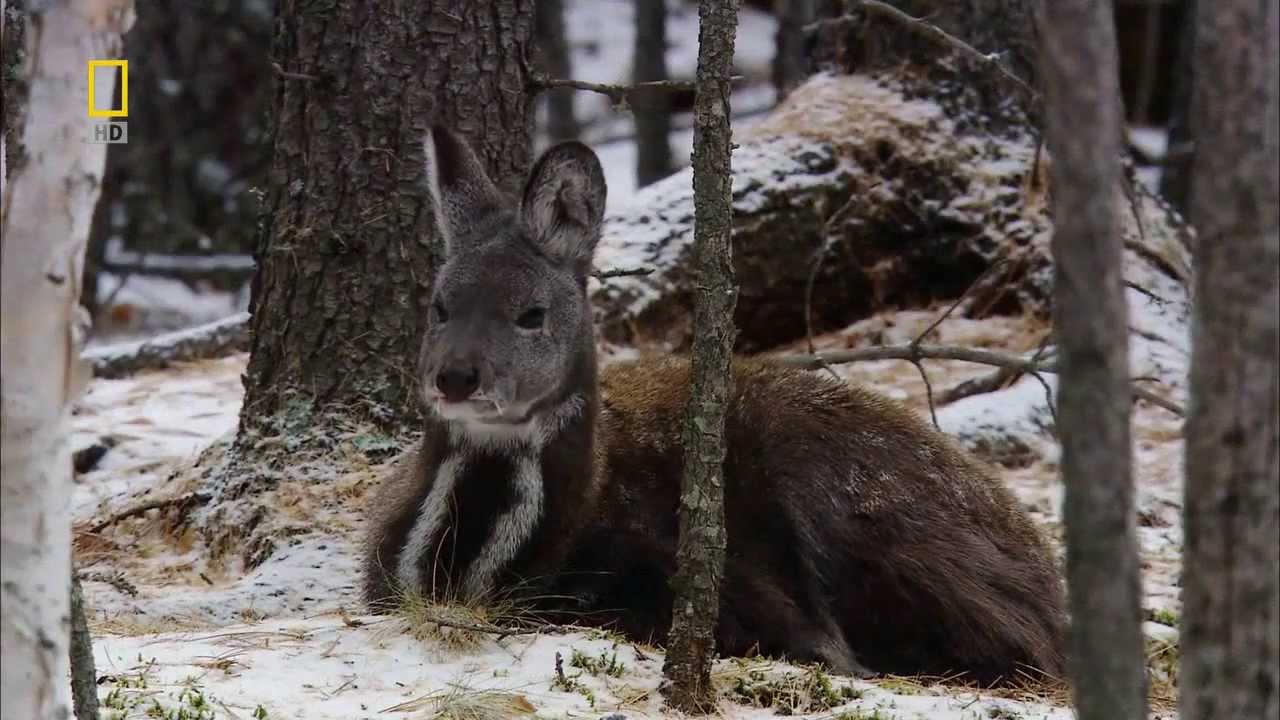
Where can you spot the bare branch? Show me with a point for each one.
(912, 352)
(929, 30)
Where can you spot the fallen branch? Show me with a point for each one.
(913, 352)
(182, 503)
(989, 61)
(216, 339)
(616, 93)
(118, 260)
(622, 272)
(116, 580)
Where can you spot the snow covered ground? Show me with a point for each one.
(289, 639)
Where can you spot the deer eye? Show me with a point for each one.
(532, 319)
(439, 314)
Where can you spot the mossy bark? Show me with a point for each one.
(701, 549)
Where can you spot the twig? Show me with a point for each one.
(818, 258)
(181, 502)
(992, 382)
(622, 272)
(929, 30)
(928, 392)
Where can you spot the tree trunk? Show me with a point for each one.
(553, 45)
(652, 109)
(1175, 181)
(84, 679)
(1083, 118)
(791, 55)
(1231, 570)
(700, 554)
(13, 53)
(346, 250)
(44, 221)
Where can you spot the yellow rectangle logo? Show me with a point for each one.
(110, 112)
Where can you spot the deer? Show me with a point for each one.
(858, 536)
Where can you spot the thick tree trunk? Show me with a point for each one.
(346, 250)
(700, 554)
(652, 109)
(1083, 118)
(553, 45)
(44, 222)
(1231, 575)
(791, 54)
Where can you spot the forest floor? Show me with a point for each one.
(289, 639)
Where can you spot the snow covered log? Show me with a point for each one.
(912, 198)
(47, 206)
(216, 339)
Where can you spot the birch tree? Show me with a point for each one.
(701, 548)
(44, 219)
(1231, 571)
(1090, 318)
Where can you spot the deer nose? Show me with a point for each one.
(458, 382)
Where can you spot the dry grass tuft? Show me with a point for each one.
(463, 703)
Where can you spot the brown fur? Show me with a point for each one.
(850, 521)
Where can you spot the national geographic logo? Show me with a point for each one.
(106, 77)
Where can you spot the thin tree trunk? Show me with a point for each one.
(553, 43)
(791, 56)
(44, 222)
(1083, 119)
(1175, 181)
(700, 554)
(1231, 570)
(84, 680)
(652, 109)
(345, 255)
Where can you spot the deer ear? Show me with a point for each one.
(563, 204)
(458, 185)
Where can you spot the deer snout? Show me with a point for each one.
(458, 381)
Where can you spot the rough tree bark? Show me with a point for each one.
(345, 251)
(652, 109)
(84, 685)
(44, 219)
(1231, 571)
(553, 45)
(700, 554)
(1083, 119)
(791, 56)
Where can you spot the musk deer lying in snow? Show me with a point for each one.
(858, 536)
